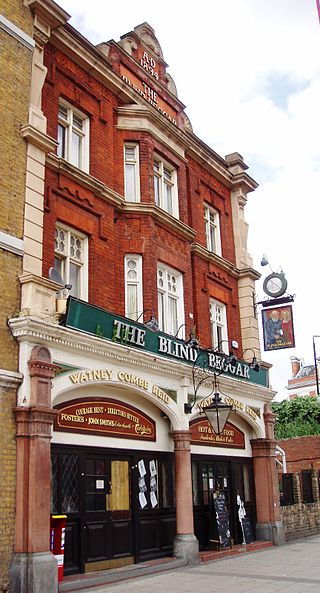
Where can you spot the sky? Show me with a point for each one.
(248, 72)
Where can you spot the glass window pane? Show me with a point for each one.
(168, 206)
(61, 150)
(212, 239)
(59, 266)
(74, 279)
(77, 122)
(157, 190)
(69, 483)
(76, 150)
(172, 315)
(161, 311)
(130, 153)
(63, 113)
(130, 183)
(132, 301)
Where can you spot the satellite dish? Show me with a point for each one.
(55, 276)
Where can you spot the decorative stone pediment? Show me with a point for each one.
(146, 34)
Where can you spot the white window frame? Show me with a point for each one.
(212, 229)
(135, 311)
(170, 300)
(219, 328)
(68, 124)
(131, 189)
(66, 259)
(165, 176)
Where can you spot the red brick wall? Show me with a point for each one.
(301, 453)
(113, 233)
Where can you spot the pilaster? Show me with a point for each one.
(185, 544)
(33, 569)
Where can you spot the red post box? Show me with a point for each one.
(57, 541)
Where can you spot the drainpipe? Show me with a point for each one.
(281, 452)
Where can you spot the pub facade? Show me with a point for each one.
(135, 266)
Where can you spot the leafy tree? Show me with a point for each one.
(297, 417)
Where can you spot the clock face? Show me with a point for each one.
(275, 285)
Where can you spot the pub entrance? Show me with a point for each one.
(111, 519)
(216, 475)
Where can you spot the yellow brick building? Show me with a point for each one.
(17, 49)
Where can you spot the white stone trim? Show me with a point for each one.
(10, 243)
(10, 378)
(17, 33)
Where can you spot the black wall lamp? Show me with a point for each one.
(217, 412)
(152, 323)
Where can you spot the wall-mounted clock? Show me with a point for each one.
(275, 285)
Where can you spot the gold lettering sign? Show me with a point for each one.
(107, 416)
(202, 434)
(123, 376)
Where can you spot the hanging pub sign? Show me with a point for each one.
(202, 434)
(106, 417)
(277, 323)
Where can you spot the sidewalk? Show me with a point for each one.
(292, 568)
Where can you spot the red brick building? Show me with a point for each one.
(144, 223)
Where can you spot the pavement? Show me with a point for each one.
(291, 568)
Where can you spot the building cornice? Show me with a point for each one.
(84, 179)
(224, 264)
(36, 331)
(16, 33)
(160, 216)
(12, 244)
(208, 256)
(141, 118)
(38, 139)
(10, 379)
(49, 11)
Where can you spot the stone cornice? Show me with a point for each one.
(160, 216)
(249, 273)
(102, 191)
(141, 118)
(224, 264)
(87, 56)
(49, 11)
(16, 33)
(10, 379)
(245, 182)
(38, 139)
(36, 331)
(84, 179)
(46, 282)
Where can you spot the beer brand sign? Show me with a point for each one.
(203, 434)
(105, 417)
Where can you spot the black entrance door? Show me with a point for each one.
(233, 478)
(214, 479)
(93, 490)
